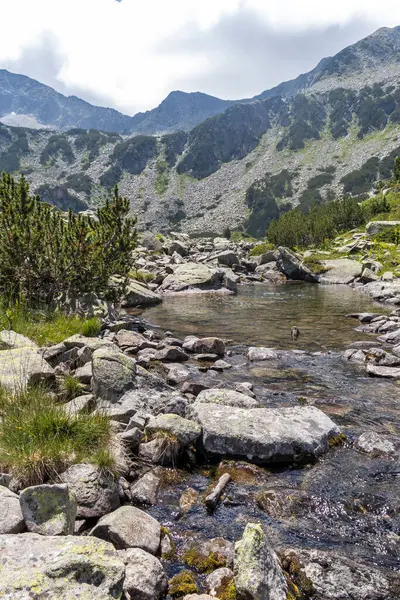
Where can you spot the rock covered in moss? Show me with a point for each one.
(49, 509)
(129, 527)
(182, 584)
(220, 584)
(11, 519)
(34, 567)
(258, 574)
(96, 490)
(145, 578)
(185, 431)
(113, 373)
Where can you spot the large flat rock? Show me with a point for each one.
(195, 277)
(375, 227)
(264, 435)
(20, 367)
(341, 271)
(138, 294)
(34, 566)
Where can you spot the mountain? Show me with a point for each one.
(336, 131)
(28, 103)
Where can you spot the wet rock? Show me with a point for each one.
(138, 294)
(372, 443)
(11, 339)
(145, 578)
(35, 567)
(113, 374)
(220, 366)
(226, 398)
(145, 490)
(20, 367)
(185, 431)
(209, 345)
(264, 435)
(256, 354)
(11, 519)
(188, 499)
(364, 344)
(340, 271)
(280, 502)
(171, 354)
(258, 574)
(96, 490)
(49, 509)
(129, 527)
(336, 577)
(189, 343)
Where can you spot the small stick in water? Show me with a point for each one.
(213, 498)
(294, 333)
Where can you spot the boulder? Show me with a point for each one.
(367, 276)
(177, 373)
(258, 574)
(113, 374)
(145, 578)
(138, 294)
(340, 271)
(84, 374)
(80, 404)
(375, 227)
(387, 372)
(264, 435)
(258, 354)
(185, 431)
(209, 345)
(129, 527)
(20, 367)
(177, 246)
(226, 398)
(193, 277)
(227, 258)
(11, 339)
(337, 577)
(218, 580)
(34, 567)
(291, 266)
(145, 490)
(372, 443)
(171, 354)
(132, 341)
(11, 519)
(149, 241)
(80, 341)
(96, 491)
(49, 509)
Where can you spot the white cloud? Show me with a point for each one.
(109, 50)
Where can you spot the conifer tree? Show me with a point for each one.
(396, 170)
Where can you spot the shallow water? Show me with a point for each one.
(351, 501)
(264, 314)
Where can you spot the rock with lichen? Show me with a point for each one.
(49, 509)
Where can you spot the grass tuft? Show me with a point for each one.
(39, 438)
(70, 387)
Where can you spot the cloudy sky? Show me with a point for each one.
(129, 54)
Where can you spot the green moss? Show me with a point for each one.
(182, 584)
(300, 587)
(204, 563)
(261, 249)
(337, 440)
(171, 554)
(227, 589)
(314, 265)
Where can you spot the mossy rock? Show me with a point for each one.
(182, 584)
(204, 563)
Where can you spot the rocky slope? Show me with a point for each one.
(333, 131)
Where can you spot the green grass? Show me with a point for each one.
(142, 276)
(44, 327)
(261, 249)
(315, 265)
(162, 177)
(40, 438)
(70, 387)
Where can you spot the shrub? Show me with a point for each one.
(40, 438)
(261, 249)
(57, 146)
(48, 258)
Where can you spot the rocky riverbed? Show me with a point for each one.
(254, 467)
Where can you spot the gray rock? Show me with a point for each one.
(129, 527)
(145, 578)
(245, 387)
(145, 490)
(199, 597)
(185, 431)
(20, 367)
(113, 374)
(149, 241)
(193, 276)
(372, 443)
(337, 577)
(84, 374)
(93, 343)
(177, 373)
(387, 372)
(367, 276)
(171, 354)
(341, 271)
(387, 276)
(139, 295)
(375, 227)
(96, 490)
(264, 435)
(132, 438)
(49, 509)
(34, 567)
(209, 345)
(11, 339)
(11, 519)
(218, 579)
(221, 365)
(227, 258)
(292, 266)
(226, 398)
(132, 341)
(80, 404)
(258, 574)
(178, 247)
(255, 354)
